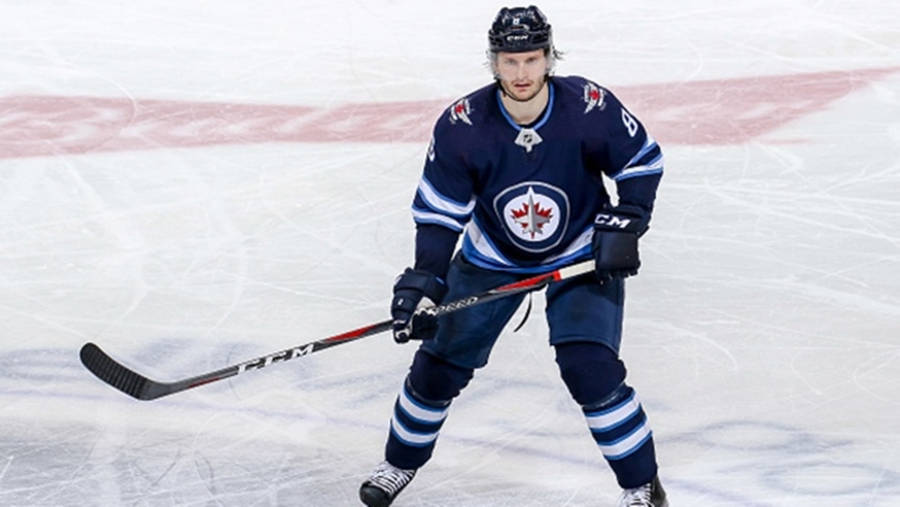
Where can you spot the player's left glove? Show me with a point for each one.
(414, 291)
(615, 243)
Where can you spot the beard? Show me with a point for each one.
(512, 96)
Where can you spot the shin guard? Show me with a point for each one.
(421, 408)
(595, 377)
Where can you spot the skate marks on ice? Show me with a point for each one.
(747, 463)
(57, 373)
(67, 465)
(301, 436)
(766, 463)
(714, 112)
(63, 465)
(278, 437)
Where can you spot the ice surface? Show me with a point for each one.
(192, 184)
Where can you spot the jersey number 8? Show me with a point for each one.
(630, 123)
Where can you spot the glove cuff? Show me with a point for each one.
(422, 281)
(622, 218)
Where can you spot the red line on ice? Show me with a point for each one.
(714, 112)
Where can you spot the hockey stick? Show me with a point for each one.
(134, 384)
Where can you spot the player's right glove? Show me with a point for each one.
(615, 243)
(415, 290)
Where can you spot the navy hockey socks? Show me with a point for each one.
(623, 436)
(421, 408)
(595, 377)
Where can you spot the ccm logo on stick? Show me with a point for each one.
(274, 358)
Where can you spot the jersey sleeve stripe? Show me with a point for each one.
(427, 217)
(653, 167)
(440, 203)
(649, 145)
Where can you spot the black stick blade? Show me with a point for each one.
(113, 373)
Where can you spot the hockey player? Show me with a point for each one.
(516, 167)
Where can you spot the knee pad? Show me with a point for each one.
(433, 379)
(593, 373)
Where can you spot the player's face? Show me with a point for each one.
(522, 74)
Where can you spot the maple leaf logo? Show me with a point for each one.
(531, 216)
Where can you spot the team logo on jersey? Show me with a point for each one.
(535, 215)
(460, 112)
(593, 96)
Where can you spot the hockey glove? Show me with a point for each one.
(615, 244)
(414, 291)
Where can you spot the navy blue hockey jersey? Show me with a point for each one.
(526, 196)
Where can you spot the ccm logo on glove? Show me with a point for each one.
(615, 242)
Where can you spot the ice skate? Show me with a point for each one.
(651, 494)
(385, 483)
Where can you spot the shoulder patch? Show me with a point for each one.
(460, 112)
(594, 97)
